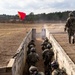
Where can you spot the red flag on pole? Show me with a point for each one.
(21, 15)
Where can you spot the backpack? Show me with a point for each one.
(34, 58)
(47, 55)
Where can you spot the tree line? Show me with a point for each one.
(32, 18)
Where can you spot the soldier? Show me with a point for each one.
(70, 27)
(31, 43)
(49, 46)
(30, 49)
(32, 57)
(47, 56)
(56, 70)
(34, 71)
(43, 46)
(45, 43)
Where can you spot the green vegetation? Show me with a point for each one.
(32, 18)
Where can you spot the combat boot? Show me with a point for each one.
(73, 41)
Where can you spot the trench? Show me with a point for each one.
(40, 64)
(58, 54)
(17, 68)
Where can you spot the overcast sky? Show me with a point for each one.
(11, 7)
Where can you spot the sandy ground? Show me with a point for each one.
(11, 36)
(40, 63)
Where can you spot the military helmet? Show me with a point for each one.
(32, 69)
(71, 14)
(48, 46)
(33, 49)
(54, 64)
(31, 46)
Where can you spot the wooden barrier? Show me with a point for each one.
(60, 55)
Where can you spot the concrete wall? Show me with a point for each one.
(43, 33)
(20, 58)
(61, 56)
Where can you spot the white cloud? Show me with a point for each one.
(36, 6)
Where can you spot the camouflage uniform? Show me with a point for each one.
(70, 26)
(46, 44)
(43, 46)
(56, 70)
(31, 43)
(47, 56)
(55, 67)
(29, 49)
(32, 58)
(34, 71)
(49, 53)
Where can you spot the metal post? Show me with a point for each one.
(43, 33)
(34, 34)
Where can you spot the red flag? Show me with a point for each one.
(21, 15)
